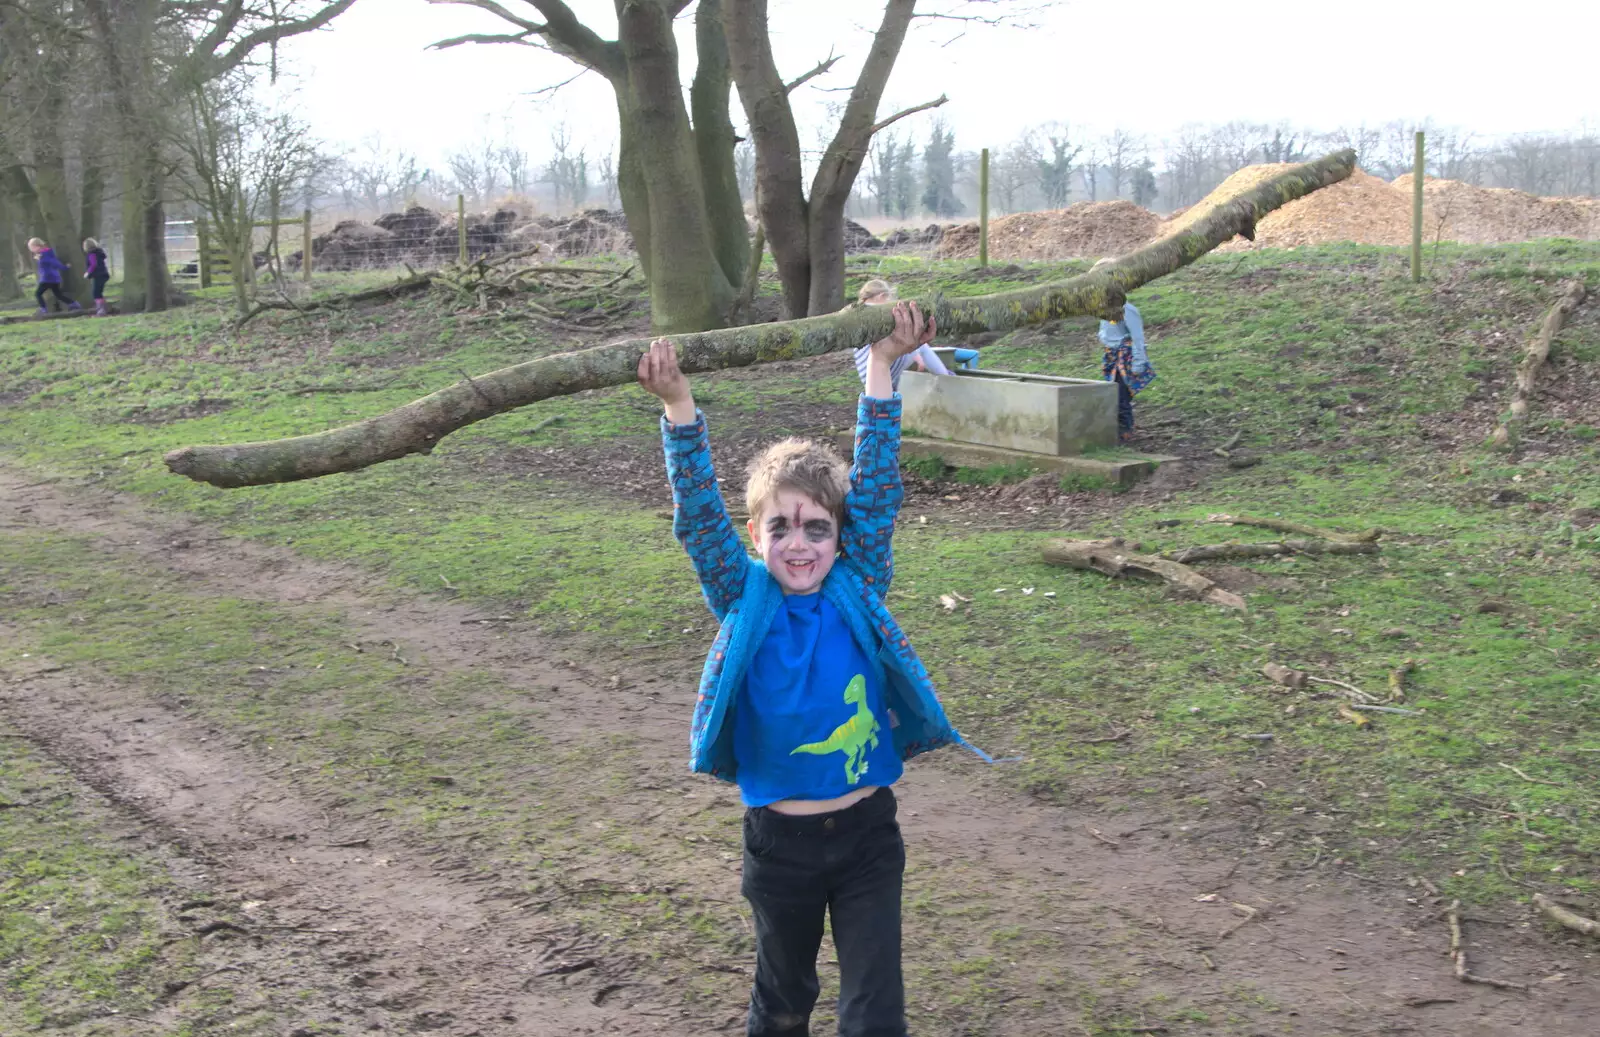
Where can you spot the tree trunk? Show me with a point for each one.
(9, 288)
(93, 203)
(55, 205)
(25, 214)
(806, 235)
(781, 200)
(714, 142)
(688, 289)
(146, 283)
(417, 427)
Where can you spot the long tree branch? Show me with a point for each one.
(520, 38)
(417, 427)
(897, 116)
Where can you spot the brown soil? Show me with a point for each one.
(1455, 211)
(1084, 230)
(424, 944)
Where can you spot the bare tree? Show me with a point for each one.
(1122, 152)
(152, 51)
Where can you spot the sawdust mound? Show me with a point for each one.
(1363, 209)
(1236, 184)
(1457, 211)
(1087, 229)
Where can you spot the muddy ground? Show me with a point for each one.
(395, 933)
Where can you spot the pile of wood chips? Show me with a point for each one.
(1087, 230)
(1457, 211)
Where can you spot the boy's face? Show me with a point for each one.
(798, 539)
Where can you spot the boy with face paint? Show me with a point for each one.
(811, 698)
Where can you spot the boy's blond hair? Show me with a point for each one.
(802, 465)
(873, 289)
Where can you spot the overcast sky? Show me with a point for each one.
(1527, 68)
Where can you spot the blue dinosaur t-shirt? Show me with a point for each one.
(810, 722)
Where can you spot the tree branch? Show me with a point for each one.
(897, 116)
(840, 164)
(563, 33)
(821, 68)
(418, 427)
(520, 38)
(279, 31)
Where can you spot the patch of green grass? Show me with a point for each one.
(80, 913)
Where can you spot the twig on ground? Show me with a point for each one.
(1225, 449)
(1285, 526)
(1112, 558)
(1234, 549)
(1571, 919)
(1525, 777)
(1118, 737)
(1285, 675)
(1096, 833)
(1387, 709)
(1349, 689)
(1250, 915)
(1458, 956)
(554, 419)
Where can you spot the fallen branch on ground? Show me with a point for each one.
(26, 318)
(1397, 680)
(1112, 558)
(1533, 361)
(417, 427)
(1285, 526)
(1525, 777)
(1458, 956)
(1234, 549)
(1285, 675)
(1571, 919)
(1349, 689)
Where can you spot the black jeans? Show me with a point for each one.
(50, 286)
(100, 285)
(848, 865)
(1124, 406)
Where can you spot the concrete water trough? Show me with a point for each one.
(980, 418)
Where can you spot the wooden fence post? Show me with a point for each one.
(983, 210)
(203, 244)
(305, 250)
(1416, 212)
(461, 226)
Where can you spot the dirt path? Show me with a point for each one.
(1091, 931)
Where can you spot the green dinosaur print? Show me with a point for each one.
(853, 737)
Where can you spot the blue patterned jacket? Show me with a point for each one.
(745, 597)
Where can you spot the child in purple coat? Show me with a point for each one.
(50, 271)
(98, 270)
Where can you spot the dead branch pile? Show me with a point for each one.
(1533, 361)
(491, 284)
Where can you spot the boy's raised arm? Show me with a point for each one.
(867, 533)
(700, 518)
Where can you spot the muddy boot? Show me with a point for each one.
(100, 308)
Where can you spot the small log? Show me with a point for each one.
(1112, 558)
(1397, 680)
(1533, 360)
(1571, 919)
(1286, 526)
(1287, 676)
(1234, 549)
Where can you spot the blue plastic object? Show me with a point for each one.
(966, 358)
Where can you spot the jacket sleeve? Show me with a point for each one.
(700, 518)
(1135, 323)
(875, 493)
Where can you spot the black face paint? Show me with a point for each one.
(819, 530)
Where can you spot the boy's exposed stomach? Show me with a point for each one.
(806, 807)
